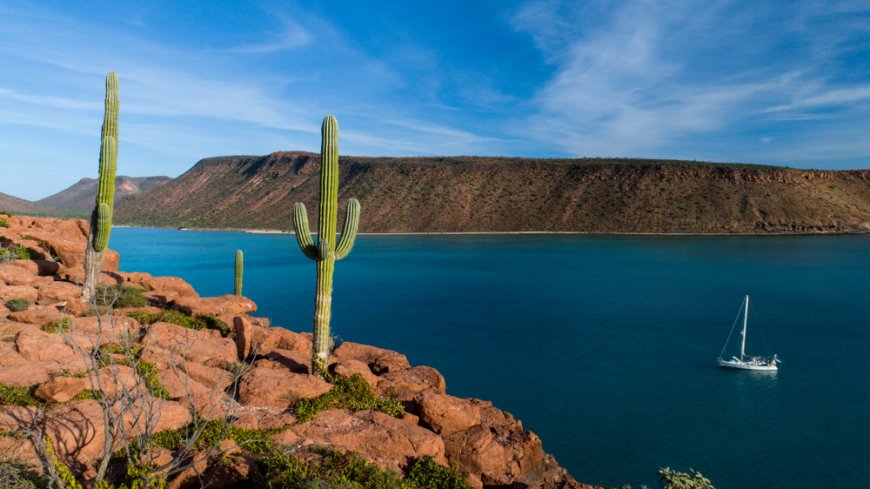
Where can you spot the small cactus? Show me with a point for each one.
(101, 217)
(240, 270)
(326, 252)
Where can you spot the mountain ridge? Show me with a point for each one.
(502, 194)
(79, 197)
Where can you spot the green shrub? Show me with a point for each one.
(671, 479)
(17, 396)
(20, 253)
(120, 296)
(61, 325)
(326, 469)
(16, 305)
(352, 393)
(3, 223)
(177, 317)
(5, 213)
(429, 474)
(210, 435)
(16, 475)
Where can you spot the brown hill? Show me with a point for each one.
(79, 198)
(16, 205)
(514, 194)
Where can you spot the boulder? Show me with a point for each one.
(234, 305)
(377, 437)
(349, 368)
(499, 452)
(196, 346)
(278, 387)
(379, 360)
(263, 418)
(283, 339)
(243, 334)
(54, 292)
(28, 374)
(38, 315)
(37, 345)
(293, 360)
(406, 384)
(446, 414)
(14, 275)
(10, 292)
(170, 286)
(60, 389)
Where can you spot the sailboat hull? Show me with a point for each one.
(765, 367)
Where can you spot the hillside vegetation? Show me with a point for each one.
(452, 194)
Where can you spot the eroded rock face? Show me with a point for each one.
(499, 452)
(284, 339)
(37, 345)
(379, 438)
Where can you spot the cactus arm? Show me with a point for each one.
(303, 232)
(104, 227)
(348, 232)
(240, 269)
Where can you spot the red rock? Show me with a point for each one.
(9, 356)
(11, 328)
(379, 360)
(31, 266)
(500, 453)
(54, 292)
(283, 339)
(278, 388)
(38, 315)
(174, 286)
(28, 374)
(114, 380)
(348, 368)
(243, 334)
(10, 292)
(75, 307)
(293, 360)
(4, 312)
(196, 346)
(447, 414)
(60, 389)
(406, 384)
(379, 438)
(15, 275)
(263, 418)
(234, 305)
(40, 346)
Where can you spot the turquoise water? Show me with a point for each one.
(604, 346)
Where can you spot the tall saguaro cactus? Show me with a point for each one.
(326, 252)
(101, 217)
(240, 270)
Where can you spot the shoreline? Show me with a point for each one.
(516, 233)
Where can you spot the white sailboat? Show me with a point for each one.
(746, 362)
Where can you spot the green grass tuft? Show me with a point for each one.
(119, 296)
(61, 325)
(17, 396)
(177, 317)
(16, 305)
(352, 393)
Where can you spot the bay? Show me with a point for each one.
(604, 346)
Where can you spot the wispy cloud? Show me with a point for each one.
(292, 36)
(642, 79)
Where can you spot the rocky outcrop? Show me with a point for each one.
(64, 354)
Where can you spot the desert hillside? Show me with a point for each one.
(448, 194)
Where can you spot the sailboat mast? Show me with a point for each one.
(745, 320)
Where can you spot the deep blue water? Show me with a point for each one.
(604, 346)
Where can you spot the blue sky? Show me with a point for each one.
(763, 82)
